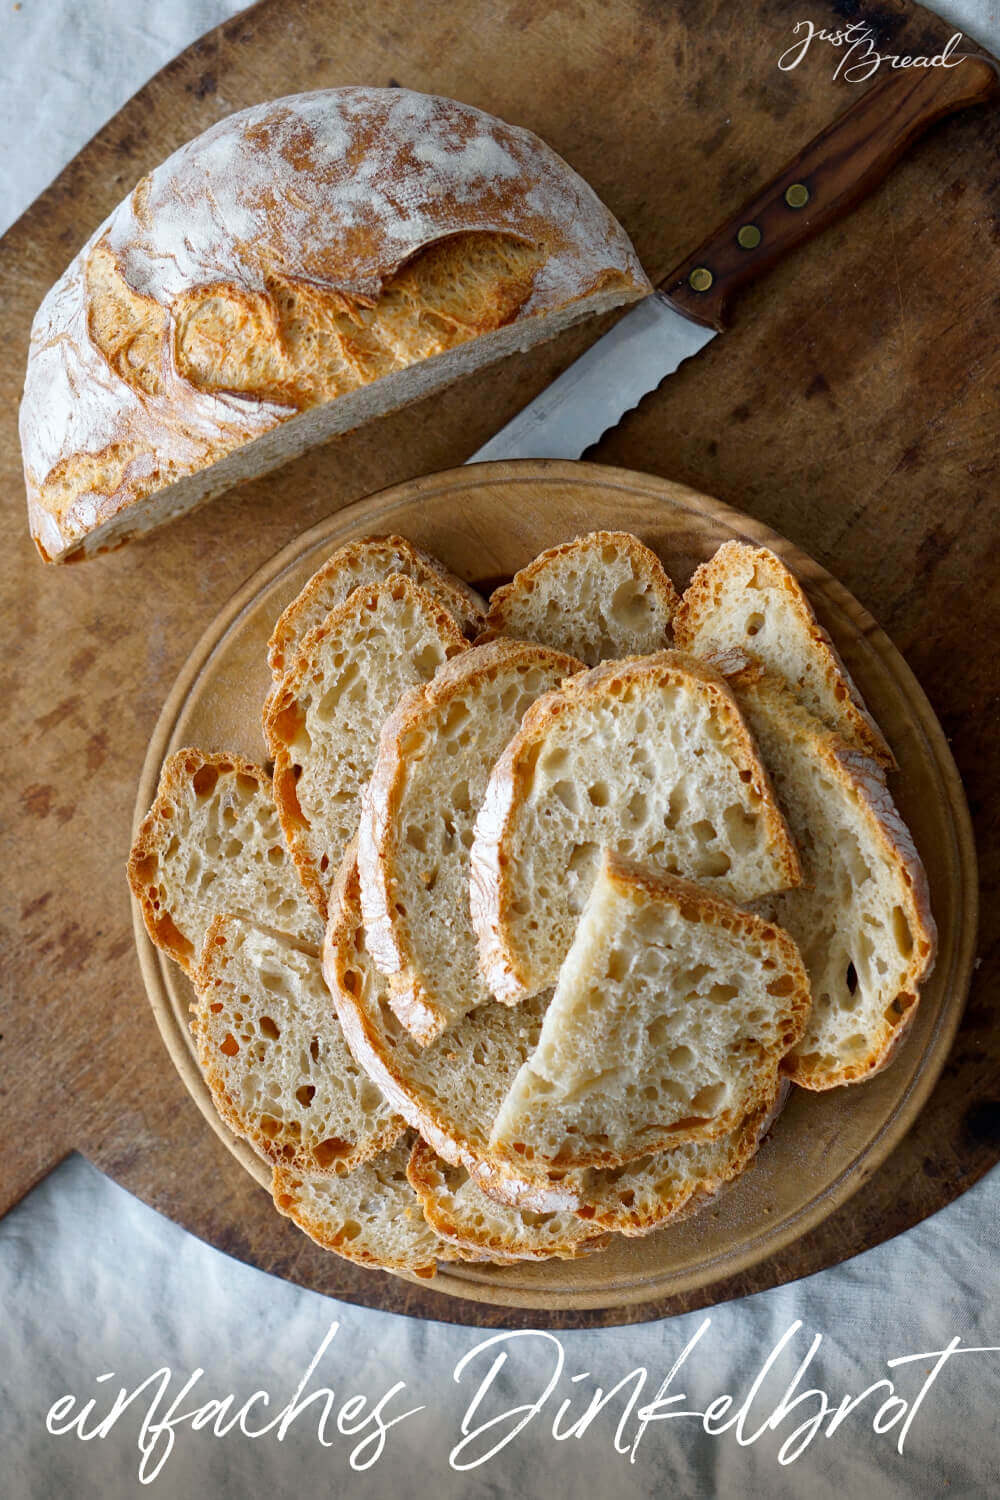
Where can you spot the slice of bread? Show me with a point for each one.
(459, 1211)
(600, 597)
(675, 1184)
(435, 755)
(322, 723)
(369, 560)
(862, 915)
(669, 1023)
(746, 597)
(212, 843)
(450, 1090)
(372, 1216)
(275, 1059)
(648, 756)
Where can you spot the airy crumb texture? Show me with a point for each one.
(322, 723)
(600, 597)
(450, 1090)
(460, 1212)
(372, 1216)
(671, 1017)
(862, 915)
(435, 755)
(275, 1059)
(745, 597)
(674, 1184)
(369, 560)
(648, 756)
(299, 268)
(212, 843)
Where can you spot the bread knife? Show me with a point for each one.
(819, 186)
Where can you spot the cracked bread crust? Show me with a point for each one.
(285, 276)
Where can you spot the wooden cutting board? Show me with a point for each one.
(853, 408)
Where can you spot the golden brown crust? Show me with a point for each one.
(156, 830)
(387, 936)
(491, 900)
(283, 713)
(170, 341)
(461, 601)
(700, 600)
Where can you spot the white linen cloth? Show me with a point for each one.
(99, 1294)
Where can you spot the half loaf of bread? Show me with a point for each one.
(300, 268)
(435, 755)
(322, 722)
(673, 1012)
(600, 597)
(274, 1057)
(648, 756)
(212, 843)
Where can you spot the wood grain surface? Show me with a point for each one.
(852, 407)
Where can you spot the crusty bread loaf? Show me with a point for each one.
(862, 916)
(274, 1057)
(212, 843)
(669, 1023)
(322, 722)
(671, 1185)
(298, 269)
(450, 1090)
(460, 1212)
(372, 1216)
(745, 597)
(648, 756)
(435, 755)
(369, 560)
(599, 597)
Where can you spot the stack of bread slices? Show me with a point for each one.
(545, 904)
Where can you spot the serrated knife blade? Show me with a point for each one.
(582, 403)
(819, 186)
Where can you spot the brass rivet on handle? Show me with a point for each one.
(749, 237)
(797, 196)
(700, 279)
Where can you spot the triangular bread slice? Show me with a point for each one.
(369, 559)
(599, 597)
(322, 722)
(649, 756)
(746, 597)
(450, 1090)
(460, 1212)
(212, 843)
(435, 755)
(372, 1216)
(274, 1057)
(862, 915)
(673, 1012)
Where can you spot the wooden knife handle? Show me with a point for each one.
(844, 163)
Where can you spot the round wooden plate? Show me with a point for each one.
(485, 522)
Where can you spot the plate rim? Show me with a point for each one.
(767, 1239)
